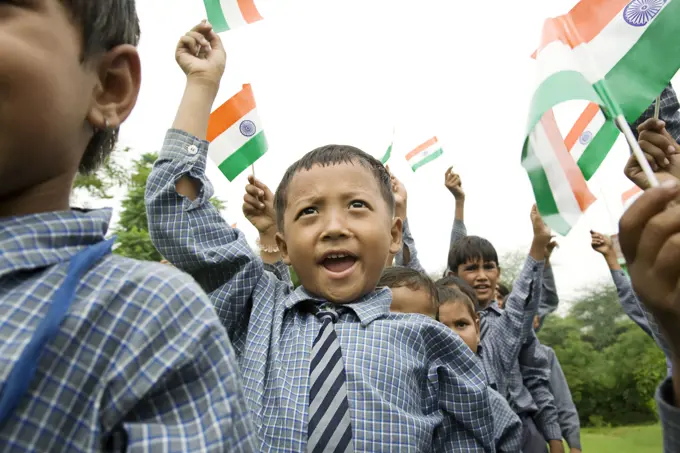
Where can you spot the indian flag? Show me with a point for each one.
(229, 14)
(235, 134)
(424, 153)
(614, 53)
(590, 134)
(561, 191)
(629, 196)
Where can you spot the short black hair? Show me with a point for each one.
(103, 25)
(457, 282)
(503, 290)
(399, 277)
(471, 248)
(332, 155)
(449, 295)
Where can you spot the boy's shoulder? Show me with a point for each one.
(125, 284)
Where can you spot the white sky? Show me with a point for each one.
(347, 71)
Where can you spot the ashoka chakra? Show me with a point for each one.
(639, 13)
(247, 128)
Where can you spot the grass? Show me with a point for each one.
(627, 439)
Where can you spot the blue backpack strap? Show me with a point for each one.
(24, 370)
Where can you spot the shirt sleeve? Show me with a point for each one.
(281, 272)
(535, 369)
(670, 417)
(637, 311)
(410, 244)
(457, 384)
(458, 231)
(173, 383)
(549, 298)
(669, 112)
(194, 237)
(566, 410)
(512, 329)
(507, 425)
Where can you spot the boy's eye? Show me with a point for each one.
(307, 211)
(460, 324)
(357, 204)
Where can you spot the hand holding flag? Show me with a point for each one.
(660, 149)
(201, 55)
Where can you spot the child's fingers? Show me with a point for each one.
(641, 222)
(253, 201)
(449, 171)
(654, 155)
(254, 191)
(190, 44)
(199, 38)
(651, 124)
(659, 142)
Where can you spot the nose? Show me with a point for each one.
(336, 225)
(481, 274)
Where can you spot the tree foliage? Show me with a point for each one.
(611, 365)
(132, 229)
(111, 174)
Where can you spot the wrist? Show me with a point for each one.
(459, 198)
(267, 243)
(538, 246)
(612, 260)
(202, 86)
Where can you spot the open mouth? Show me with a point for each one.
(339, 263)
(482, 288)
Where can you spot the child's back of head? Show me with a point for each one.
(73, 73)
(455, 282)
(412, 291)
(335, 216)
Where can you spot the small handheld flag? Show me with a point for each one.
(235, 134)
(424, 153)
(229, 14)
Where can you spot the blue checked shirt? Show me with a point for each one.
(669, 111)
(501, 342)
(507, 425)
(140, 363)
(669, 416)
(413, 385)
(566, 410)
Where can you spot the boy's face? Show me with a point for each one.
(457, 317)
(338, 231)
(407, 300)
(47, 96)
(483, 277)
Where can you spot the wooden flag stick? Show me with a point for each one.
(252, 168)
(657, 107)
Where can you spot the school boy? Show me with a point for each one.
(325, 367)
(97, 352)
(457, 312)
(475, 260)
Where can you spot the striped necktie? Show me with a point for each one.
(330, 428)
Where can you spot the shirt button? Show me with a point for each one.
(192, 149)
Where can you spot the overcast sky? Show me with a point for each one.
(348, 71)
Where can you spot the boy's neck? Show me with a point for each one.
(48, 196)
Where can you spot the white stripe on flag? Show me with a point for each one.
(232, 13)
(227, 143)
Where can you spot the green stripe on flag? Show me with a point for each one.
(545, 202)
(215, 15)
(597, 149)
(387, 155)
(428, 159)
(560, 87)
(244, 157)
(643, 73)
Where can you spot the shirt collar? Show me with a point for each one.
(368, 308)
(494, 308)
(39, 240)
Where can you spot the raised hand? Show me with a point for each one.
(201, 55)
(258, 206)
(453, 182)
(601, 243)
(660, 149)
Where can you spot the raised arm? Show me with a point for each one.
(567, 414)
(549, 298)
(408, 255)
(184, 226)
(454, 184)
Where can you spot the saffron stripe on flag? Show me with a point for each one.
(231, 112)
(581, 124)
(249, 11)
(421, 147)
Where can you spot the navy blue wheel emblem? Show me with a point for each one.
(585, 137)
(247, 128)
(639, 13)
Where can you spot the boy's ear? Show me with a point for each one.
(499, 272)
(396, 232)
(477, 324)
(119, 77)
(283, 248)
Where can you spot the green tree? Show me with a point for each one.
(511, 264)
(132, 228)
(110, 175)
(601, 315)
